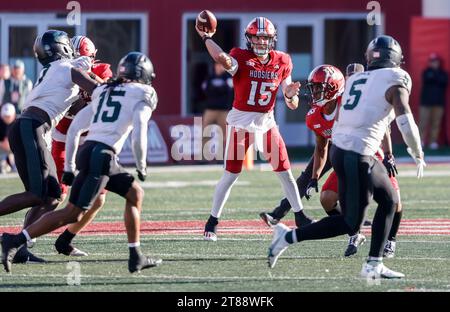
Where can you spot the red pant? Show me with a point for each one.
(238, 141)
(331, 184)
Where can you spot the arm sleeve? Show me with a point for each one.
(79, 125)
(410, 133)
(142, 114)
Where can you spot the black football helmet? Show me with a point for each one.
(136, 66)
(53, 45)
(384, 52)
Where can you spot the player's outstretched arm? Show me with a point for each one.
(216, 52)
(399, 98)
(80, 124)
(141, 118)
(83, 80)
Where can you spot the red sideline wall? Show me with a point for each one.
(427, 36)
(165, 23)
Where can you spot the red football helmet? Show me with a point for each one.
(261, 27)
(83, 46)
(325, 83)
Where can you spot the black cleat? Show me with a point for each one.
(302, 220)
(9, 250)
(269, 219)
(24, 256)
(367, 223)
(209, 234)
(353, 243)
(137, 264)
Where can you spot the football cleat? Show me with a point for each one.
(269, 219)
(279, 244)
(353, 243)
(24, 256)
(210, 236)
(78, 253)
(370, 271)
(210, 230)
(137, 264)
(389, 249)
(9, 250)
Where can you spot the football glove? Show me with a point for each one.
(420, 163)
(142, 175)
(389, 163)
(67, 178)
(312, 185)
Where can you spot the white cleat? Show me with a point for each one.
(78, 253)
(379, 271)
(279, 243)
(210, 236)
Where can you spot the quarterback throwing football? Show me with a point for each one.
(258, 71)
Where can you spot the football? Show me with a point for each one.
(206, 21)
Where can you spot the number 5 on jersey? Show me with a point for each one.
(108, 114)
(265, 93)
(355, 92)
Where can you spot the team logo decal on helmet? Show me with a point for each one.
(261, 27)
(325, 83)
(384, 52)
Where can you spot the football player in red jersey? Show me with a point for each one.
(258, 72)
(101, 72)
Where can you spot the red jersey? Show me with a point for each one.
(315, 120)
(256, 84)
(104, 72)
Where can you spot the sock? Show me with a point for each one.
(374, 260)
(213, 220)
(290, 189)
(324, 228)
(222, 192)
(27, 236)
(291, 237)
(135, 251)
(20, 239)
(395, 225)
(131, 245)
(67, 236)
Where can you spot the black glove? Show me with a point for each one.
(67, 178)
(389, 163)
(312, 185)
(142, 175)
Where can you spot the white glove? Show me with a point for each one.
(83, 63)
(420, 163)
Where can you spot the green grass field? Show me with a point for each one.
(237, 262)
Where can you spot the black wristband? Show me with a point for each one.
(206, 38)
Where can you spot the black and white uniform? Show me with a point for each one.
(364, 116)
(111, 116)
(51, 97)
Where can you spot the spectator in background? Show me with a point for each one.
(218, 89)
(7, 117)
(15, 89)
(432, 104)
(4, 72)
(4, 75)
